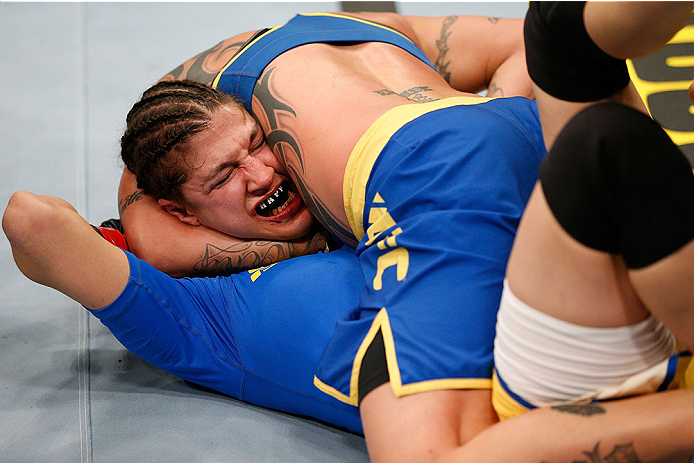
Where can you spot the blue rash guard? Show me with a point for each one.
(256, 336)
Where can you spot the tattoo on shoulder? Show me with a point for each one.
(413, 94)
(205, 66)
(583, 410)
(493, 20)
(442, 63)
(128, 200)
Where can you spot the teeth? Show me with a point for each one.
(291, 196)
(280, 195)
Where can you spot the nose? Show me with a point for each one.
(258, 175)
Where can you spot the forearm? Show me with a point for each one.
(54, 246)
(655, 428)
(179, 249)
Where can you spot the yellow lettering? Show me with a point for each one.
(379, 220)
(390, 241)
(398, 257)
(256, 272)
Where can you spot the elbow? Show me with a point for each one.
(16, 220)
(30, 217)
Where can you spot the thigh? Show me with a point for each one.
(557, 275)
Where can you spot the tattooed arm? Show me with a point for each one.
(655, 427)
(180, 250)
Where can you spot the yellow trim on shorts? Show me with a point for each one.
(381, 322)
(216, 80)
(372, 142)
(504, 405)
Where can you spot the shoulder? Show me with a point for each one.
(205, 66)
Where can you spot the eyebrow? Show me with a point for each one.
(216, 171)
(220, 167)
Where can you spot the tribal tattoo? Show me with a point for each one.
(442, 46)
(287, 147)
(205, 66)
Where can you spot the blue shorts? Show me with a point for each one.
(256, 336)
(435, 192)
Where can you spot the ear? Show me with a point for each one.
(179, 211)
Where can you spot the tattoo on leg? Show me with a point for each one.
(442, 46)
(583, 410)
(128, 200)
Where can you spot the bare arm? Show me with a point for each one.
(54, 246)
(179, 249)
(654, 428)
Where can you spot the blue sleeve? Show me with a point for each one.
(182, 326)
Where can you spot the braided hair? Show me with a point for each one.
(158, 128)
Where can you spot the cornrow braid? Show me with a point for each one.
(157, 129)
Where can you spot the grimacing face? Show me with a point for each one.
(237, 185)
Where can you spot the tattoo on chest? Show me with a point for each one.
(128, 200)
(287, 146)
(205, 66)
(442, 62)
(412, 94)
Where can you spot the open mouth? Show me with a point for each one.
(277, 201)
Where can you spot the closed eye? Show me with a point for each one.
(224, 179)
